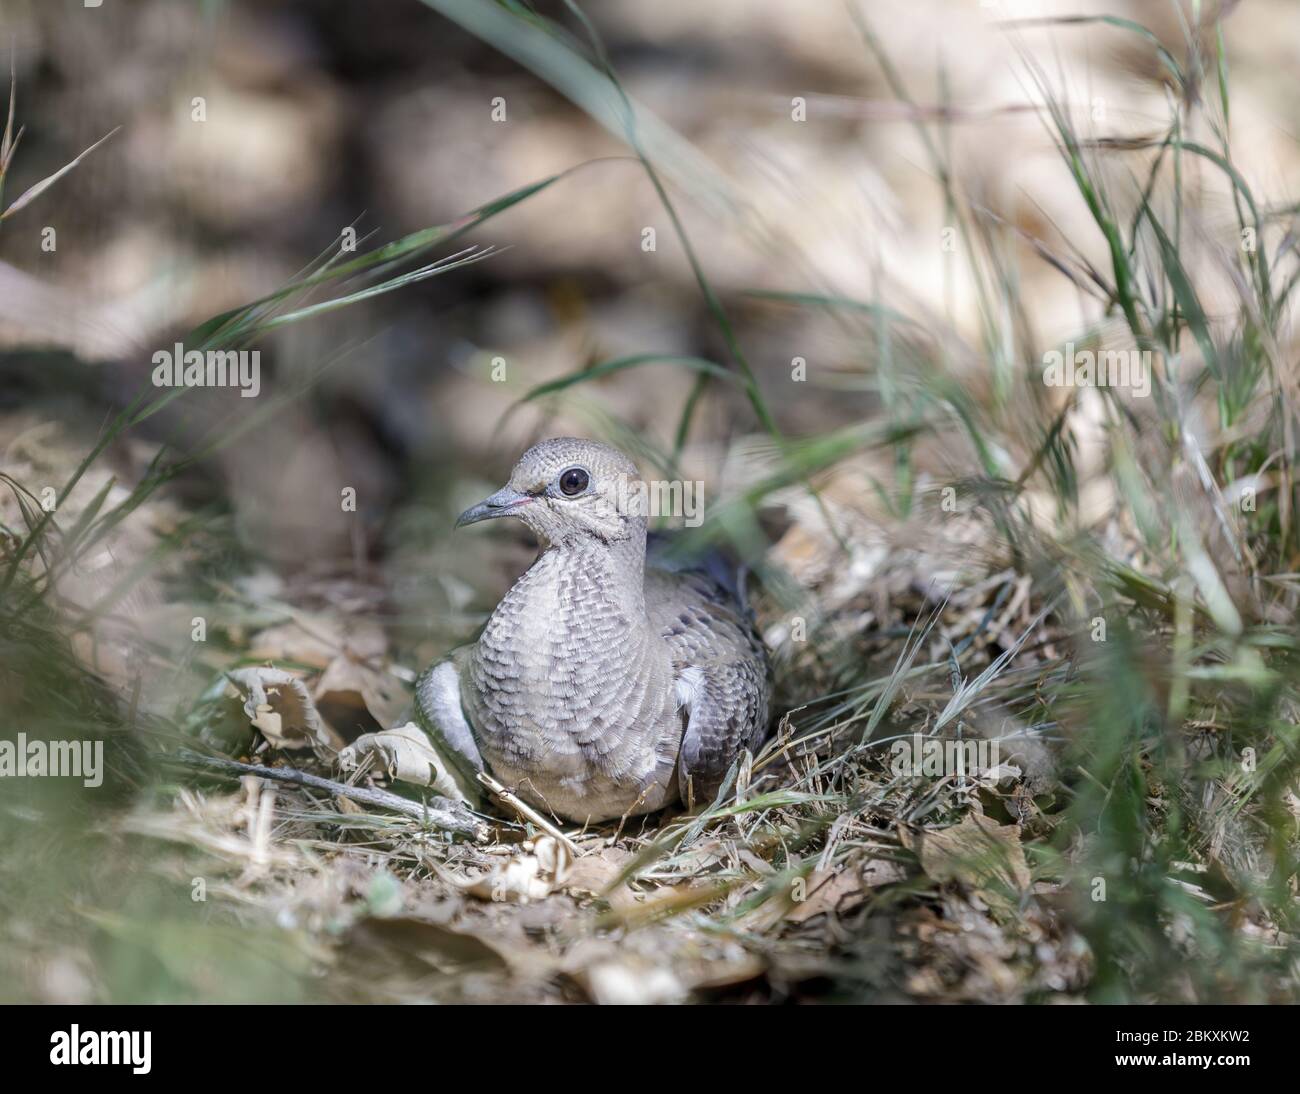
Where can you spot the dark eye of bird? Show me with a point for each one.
(574, 481)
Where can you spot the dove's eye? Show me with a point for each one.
(574, 481)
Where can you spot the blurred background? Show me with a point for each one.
(247, 138)
(812, 155)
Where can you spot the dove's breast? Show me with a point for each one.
(571, 693)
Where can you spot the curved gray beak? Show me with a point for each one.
(503, 503)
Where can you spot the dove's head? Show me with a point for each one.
(567, 490)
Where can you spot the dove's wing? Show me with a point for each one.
(721, 673)
(440, 714)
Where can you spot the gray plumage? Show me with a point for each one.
(602, 684)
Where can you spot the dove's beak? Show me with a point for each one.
(504, 503)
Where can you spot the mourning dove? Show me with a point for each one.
(603, 684)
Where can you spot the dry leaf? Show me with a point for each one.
(882, 871)
(349, 683)
(843, 890)
(596, 871)
(977, 852)
(406, 754)
(315, 644)
(277, 703)
(592, 874)
(439, 946)
(834, 891)
(541, 867)
(354, 687)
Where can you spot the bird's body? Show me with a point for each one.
(601, 685)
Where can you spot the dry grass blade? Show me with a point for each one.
(33, 192)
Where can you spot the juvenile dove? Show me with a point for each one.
(604, 683)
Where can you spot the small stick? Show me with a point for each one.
(440, 812)
(527, 811)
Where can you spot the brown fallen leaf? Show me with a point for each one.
(313, 640)
(349, 685)
(594, 873)
(978, 853)
(434, 944)
(840, 891)
(882, 871)
(406, 754)
(354, 687)
(277, 703)
(835, 891)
